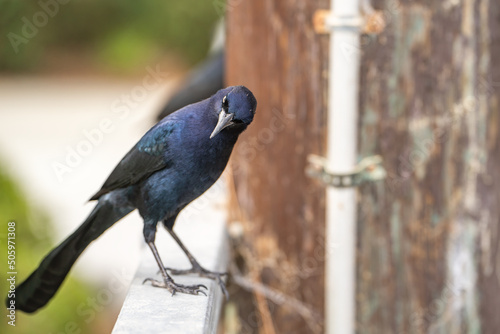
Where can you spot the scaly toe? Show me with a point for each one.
(214, 275)
(174, 287)
(189, 289)
(156, 283)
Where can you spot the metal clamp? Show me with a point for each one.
(369, 169)
(324, 21)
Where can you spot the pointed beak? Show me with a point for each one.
(224, 120)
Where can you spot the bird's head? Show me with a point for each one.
(236, 109)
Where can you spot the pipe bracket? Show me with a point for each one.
(369, 169)
(325, 21)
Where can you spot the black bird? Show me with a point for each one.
(201, 83)
(172, 164)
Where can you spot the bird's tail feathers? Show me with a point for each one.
(44, 282)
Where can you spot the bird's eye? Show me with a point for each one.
(225, 103)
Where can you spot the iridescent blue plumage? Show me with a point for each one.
(172, 164)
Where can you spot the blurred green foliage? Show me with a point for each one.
(118, 34)
(33, 240)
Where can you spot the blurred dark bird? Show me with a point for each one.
(205, 79)
(172, 164)
(201, 83)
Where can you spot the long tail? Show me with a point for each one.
(43, 283)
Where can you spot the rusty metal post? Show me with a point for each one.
(428, 249)
(273, 49)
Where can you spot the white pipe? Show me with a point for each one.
(342, 143)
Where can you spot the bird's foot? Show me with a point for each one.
(199, 270)
(173, 287)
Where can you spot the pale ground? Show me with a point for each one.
(41, 118)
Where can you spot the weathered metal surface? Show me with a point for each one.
(428, 240)
(273, 50)
(489, 182)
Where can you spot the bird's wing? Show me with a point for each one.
(146, 157)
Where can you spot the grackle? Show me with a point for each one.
(176, 161)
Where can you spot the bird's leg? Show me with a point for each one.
(168, 283)
(196, 267)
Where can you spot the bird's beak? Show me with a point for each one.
(224, 120)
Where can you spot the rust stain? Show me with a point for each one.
(282, 61)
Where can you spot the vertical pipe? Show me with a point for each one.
(342, 156)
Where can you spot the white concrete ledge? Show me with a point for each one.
(153, 310)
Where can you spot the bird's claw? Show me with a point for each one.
(175, 287)
(216, 276)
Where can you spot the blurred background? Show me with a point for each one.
(73, 77)
(103, 37)
(81, 81)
